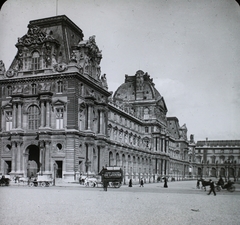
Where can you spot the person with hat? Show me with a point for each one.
(212, 188)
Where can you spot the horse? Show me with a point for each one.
(205, 183)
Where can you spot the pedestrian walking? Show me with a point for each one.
(130, 183)
(198, 184)
(165, 182)
(212, 188)
(105, 185)
(141, 183)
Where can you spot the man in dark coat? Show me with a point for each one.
(105, 185)
(165, 182)
(141, 183)
(130, 183)
(212, 188)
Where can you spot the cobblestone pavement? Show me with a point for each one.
(71, 203)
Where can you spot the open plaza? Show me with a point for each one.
(71, 203)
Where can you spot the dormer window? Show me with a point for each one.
(35, 61)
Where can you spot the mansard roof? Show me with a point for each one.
(173, 127)
(56, 20)
(218, 143)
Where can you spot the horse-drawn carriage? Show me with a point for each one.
(228, 186)
(112, 175)
(4, 181)
(219, 185)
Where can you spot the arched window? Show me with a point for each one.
(35, 61)
(33, 117)
(111, 159)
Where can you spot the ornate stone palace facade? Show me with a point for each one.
(217, 158)
(56, 111)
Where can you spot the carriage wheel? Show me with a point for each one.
(47, 184)
(218, 188)
(43, 184)
(31, 184)
(231, 189)
(116, 184)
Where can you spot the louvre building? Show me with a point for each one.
(57, 112)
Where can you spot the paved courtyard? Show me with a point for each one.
(180, 203)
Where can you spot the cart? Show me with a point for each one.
(40, 180)
(113, 175)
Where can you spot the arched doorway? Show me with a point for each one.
(33, 166)
(222, 172)
(213, 172)
(199, 173)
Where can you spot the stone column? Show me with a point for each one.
(19, 115)
(24, 164)
(89, 117)
(47, 114)
(42, 114)
(14, 116)
(101, 122)
(18, 157)
(163, 144)
(14, 149)
(47, 156)
(167, 146)
(41, 156)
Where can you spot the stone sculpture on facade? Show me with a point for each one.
(104, 81)
(2, 68)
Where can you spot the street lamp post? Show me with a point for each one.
(227, 165)
(28, 170)
(216, 170)
(124, 178)
(87, 164)
(54, 173)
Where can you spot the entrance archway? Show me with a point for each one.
(33, 166)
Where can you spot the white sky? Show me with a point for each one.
(190, 48)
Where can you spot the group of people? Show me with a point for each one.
(142, 183)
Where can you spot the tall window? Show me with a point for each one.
(34, 89)
(8, 120)
(35, 61)
(146, 129)
(33, 117)
(59, 118)
(59, 86)
(146, 113)
(9, 91)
